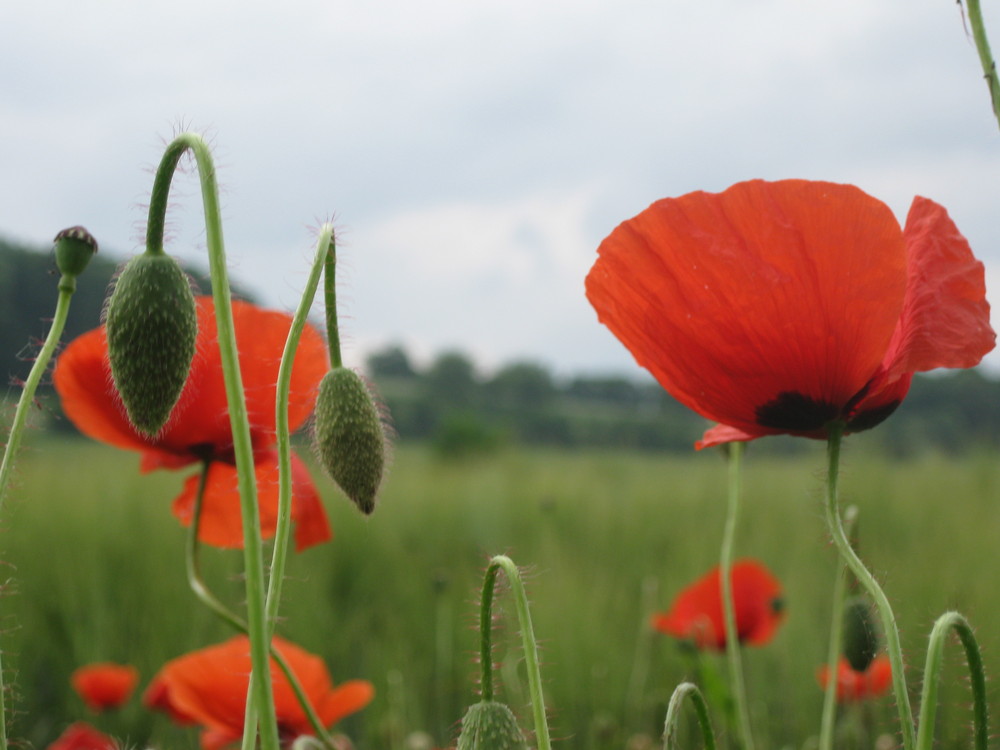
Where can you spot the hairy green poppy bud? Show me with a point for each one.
(152, 325)
(489, 725)
(349, 436)
(74, 249)
(861, 641)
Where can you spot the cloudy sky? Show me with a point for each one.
(474, 153)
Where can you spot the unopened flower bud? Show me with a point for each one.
(489, 725)
(152, 326)
(74, 247)
(861, 641)
(350, 437)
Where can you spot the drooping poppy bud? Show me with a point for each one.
(152, 326)
(350, 437)
(74, 247)
(861, 640)
(489, 725)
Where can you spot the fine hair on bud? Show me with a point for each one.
(489, 725)
(152, 328)
(350, 436)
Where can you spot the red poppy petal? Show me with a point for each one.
(105, 685)
(723, 433)
(946, 318)
(308, 513)
(733, 299)
(346, 699)
(82, 736)
(879, 676)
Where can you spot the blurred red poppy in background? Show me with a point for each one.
(82, 736)
(199, 431)
(696, 614)
(782, 307)
(105, 685)
(853, 685)
(209, 688)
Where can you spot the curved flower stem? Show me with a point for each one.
(728, 609)
(67, 285)
(239, 421)
(836, 643)
(682, 691)
(932, 672)
(985, 55)
(201, 590)
(330, 292)
(527, 636)
(866, 579)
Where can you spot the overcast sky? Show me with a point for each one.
(475, 152)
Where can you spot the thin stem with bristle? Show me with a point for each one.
(330, 293)
(687, 690)
(985, 55)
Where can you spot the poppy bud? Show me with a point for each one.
(349, 436)
(489, 725)
(74, 249)
(861, 641)
(151, 326)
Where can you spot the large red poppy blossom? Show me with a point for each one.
(783, 307)
(853, 685)
(198, 430)
(208, 688)
(82, 736)
(696, 614)
(104, 685)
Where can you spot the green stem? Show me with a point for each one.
(866, 579)
(201, 590)
(985, 55)
(836, 644)
(932, 672)
(527, 637)
(728, 606)
(67, 285)
(682, 691)
(239, 421)
(330, 291)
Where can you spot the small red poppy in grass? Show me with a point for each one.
(198, 430)
(209, 688)
(696, 614)
(104, 685)
(853, 685)
(82, 736)
(785, 307)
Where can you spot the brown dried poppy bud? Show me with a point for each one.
(152, 326)
(861, 640)
(489, 725)
(74, 247)
(350, 437)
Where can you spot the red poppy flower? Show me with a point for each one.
(82, 736)
(858, 686)
(782, 307)
(198, 430)
(104, 686)
(696, 613)
(209, 688)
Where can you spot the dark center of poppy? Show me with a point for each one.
(777, 605)
(795, 412)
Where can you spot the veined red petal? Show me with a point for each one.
(734, 300)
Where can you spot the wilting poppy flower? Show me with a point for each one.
(209, 688)
(104, 685)
(696, 613)
(82, 736)
(783, 307)
(858, 686)
(198, 430)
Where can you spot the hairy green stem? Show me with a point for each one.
(242, 447)
(985, 55)
(528, 640)
(330, 291)
(728, 608)
(682, 691)
(932, 673)
(865, 578)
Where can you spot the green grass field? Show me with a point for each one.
(94, 562)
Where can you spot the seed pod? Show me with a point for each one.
(74, 248)
(861, 641)
(349, 436)
(489, 725)
(152, 326)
